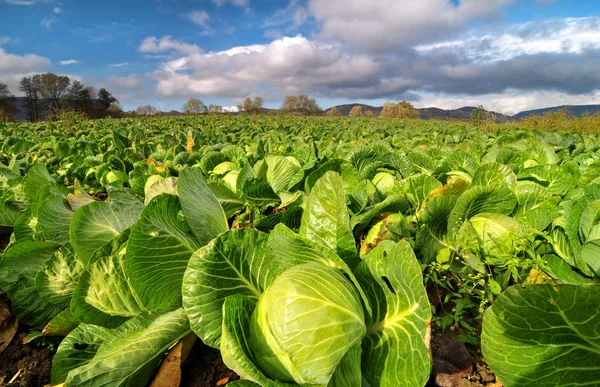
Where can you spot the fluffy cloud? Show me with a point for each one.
(287, 65)
(48, 21)
(239, 3)
(199, 17)
(130, 82)
(562, 36)
(165, 44)
(382, 25)
(19, 64)
(69, 62)
(525, 64)
(14, 67)
(26, 2)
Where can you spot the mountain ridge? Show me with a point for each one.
(464, 113)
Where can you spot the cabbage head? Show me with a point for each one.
(495, 237)
(304, 324)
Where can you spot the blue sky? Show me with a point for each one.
(508, 55)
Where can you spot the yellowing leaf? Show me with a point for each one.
(169, 374)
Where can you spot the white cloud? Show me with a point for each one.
(239, 3)
(273, 34)
(17, 64)
(57, 10)
(199, 17)
(5, 39)
(69, 62)
(48, 21)
(26, 2)
(519, 67)
(287, 65)
(154, 45)
(14, 67)
(562, 36)
(119, 64)
(390, 24)
(131, 82)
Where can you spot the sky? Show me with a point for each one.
(507, 55)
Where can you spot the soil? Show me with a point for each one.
(204, 368)
(458, 365)
(25, 365)
(455, 365)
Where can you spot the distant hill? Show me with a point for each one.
(430, 113)
(576, 110)
(345, 109)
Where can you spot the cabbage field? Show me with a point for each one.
(308, 251)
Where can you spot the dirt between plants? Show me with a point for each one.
(25, 365)
(455, 365)
(205, 368)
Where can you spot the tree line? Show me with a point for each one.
(48, 94)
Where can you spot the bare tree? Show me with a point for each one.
(31, 87)
(334, 112)
(257, 104)
(215, 108)
(300, 104)
(146, 110)
(400, 110)
(194, 106)
(7, 102)
(247, 105)
(357, 111)
(252, 105)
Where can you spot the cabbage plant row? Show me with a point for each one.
(298, 247)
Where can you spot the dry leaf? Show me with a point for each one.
(8, 326)
(169, 374)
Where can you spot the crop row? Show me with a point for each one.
(303, 248)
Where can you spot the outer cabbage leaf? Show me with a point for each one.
(201, 208)
(326, 219)
(18, 269)
(127, 355)
(233, 263)
(98, 223)
(396, 347)
(158, 250)
(544, 335)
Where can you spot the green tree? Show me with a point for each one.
(52, 89)
(115, 110)
(194, 106)
(104, 100)
(75, 94)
